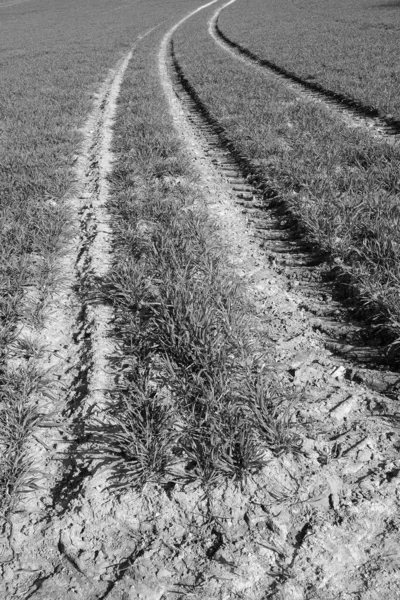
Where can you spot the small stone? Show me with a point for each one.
(339, 372)
(164, 573)
(364, 455)
(305, 375)
(300, 359)
(8, 574)
(342, 410)
(178, 531)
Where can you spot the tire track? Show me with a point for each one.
(92, 331)
(354, 112)
(95, 250)
(284, 242)
(88, 396)
(79, 344)
(226, 176)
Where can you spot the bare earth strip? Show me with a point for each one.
(353, 117)
(94, 259)
(35, 549)
(322, 524)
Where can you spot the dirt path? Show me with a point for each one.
(354, 114)
(322, 524)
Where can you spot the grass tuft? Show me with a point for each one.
(136, 442)
(272, 412)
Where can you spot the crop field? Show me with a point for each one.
(349, 48)
(199, 302)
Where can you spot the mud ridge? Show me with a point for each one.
(288, 250)
(367, 115)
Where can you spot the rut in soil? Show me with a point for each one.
(343, 528)
(277, 232)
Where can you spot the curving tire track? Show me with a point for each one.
(315, 560)
(355, 112)
(88, 395)
(284, 242)
(93, 344)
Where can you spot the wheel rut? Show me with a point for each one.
(314, 514)
(356, 113)
(307, 271)
(78, 351)
(87, 396)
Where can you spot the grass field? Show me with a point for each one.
(339, 182)
(214, 448)
(348, 48)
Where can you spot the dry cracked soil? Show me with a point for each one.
(319, 523)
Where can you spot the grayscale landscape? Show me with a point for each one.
(199, 300)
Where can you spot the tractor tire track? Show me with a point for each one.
(354, 112)
(79, 346)
(92, 332)
(328, 535)
(92, 335)
(283, 240)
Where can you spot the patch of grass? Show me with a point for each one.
(19, 418)
(348, 48)
(139, 438)
(272, 413)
